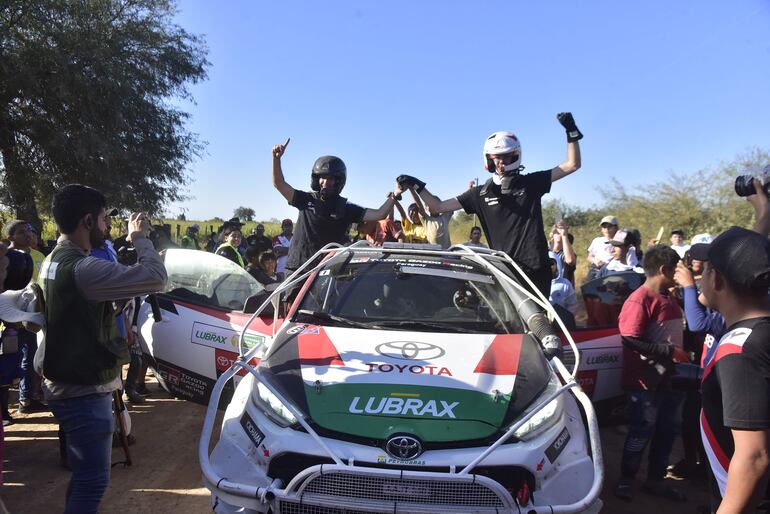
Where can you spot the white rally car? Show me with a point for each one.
(190, 331)
(403, 380)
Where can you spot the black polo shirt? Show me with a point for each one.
(319, 223)
(736, 394)
(513, 223)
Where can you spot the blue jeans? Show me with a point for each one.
(653, 416)
(87, 423)
(29, 387)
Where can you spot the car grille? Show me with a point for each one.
(402, 490)
(298, 508)
(288, 465)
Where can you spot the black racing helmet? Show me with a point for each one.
(326, 166)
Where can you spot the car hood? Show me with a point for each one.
(376, 383)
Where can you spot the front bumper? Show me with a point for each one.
(361, 482)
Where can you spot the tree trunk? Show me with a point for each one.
(18, 181)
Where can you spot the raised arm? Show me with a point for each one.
(400, 210)
(570, 257)
(385, 208)
(278, 181)
(418, 202)
(434, 204)
(573, 162)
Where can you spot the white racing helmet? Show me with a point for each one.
(502, 143)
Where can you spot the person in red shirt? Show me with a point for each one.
(383, 231)
(651, 328)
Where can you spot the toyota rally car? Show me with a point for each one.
(404, 380)
(189, 332)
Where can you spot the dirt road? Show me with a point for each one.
(165, 476)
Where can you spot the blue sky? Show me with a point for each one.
(416, 86)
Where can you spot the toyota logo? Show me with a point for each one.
(403, 447)
(409, 350)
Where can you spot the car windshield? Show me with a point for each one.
(410, 293)
(209, 279)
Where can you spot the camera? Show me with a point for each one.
(744, 184)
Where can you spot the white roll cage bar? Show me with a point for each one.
(482, 256)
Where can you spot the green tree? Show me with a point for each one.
(696, 202)
(244, 213)
(85, 90)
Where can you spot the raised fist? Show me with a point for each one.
(568, 122)
(408, 181)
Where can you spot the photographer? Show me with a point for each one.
(83, 352)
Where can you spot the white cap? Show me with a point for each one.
(702, 238)
(612, 220)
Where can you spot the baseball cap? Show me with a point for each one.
(702, 238)
(620, 238)
(287, 221)
(741, 255)
(612, 220)
(677, 231)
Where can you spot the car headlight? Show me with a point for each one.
(273, 407)
(545, 417)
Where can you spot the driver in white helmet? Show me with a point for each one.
(324, 216)
(508, 204)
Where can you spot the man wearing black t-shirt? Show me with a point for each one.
(324, 216)
(259, 240)
(508, 204)
(735, 421)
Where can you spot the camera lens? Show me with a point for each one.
(744, 185)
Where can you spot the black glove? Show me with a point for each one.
(568, 122)
(407, 181)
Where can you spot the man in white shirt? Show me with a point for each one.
(677, 242)
(281, 245)
(475, 238)
(599, 251)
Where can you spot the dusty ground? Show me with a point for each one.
(165, 476)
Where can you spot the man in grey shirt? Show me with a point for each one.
(83, 352)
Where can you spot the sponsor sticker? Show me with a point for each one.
(587, 380)
(553, 451)
(304, 329)
(406, 369)
(213, 336)
(602, 359)
(402, 407)
(252, 430)
(390, 461)
(184, 383)
(223, 359)
(401, 489)
(221, 337)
